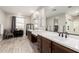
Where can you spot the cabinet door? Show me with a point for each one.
(46, 45)
(33, 38)
(61, 49)
(39, 43)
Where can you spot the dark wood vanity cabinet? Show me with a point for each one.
(31, 37)
(39, 41)
(46, 45)
(57, 48)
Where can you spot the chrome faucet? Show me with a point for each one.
(62, 34)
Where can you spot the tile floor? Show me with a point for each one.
(17, 45)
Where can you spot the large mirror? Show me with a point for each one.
(72, 24)
(63, 19)
(55, 18)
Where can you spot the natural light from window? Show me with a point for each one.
(19, 23)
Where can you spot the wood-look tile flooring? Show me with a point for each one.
(17, 45)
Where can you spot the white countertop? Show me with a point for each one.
(71, 42)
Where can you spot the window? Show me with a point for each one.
(19, 23)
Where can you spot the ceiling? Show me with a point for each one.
(56, 10)
(19, 10)
(29, 10)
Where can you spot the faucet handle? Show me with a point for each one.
(66, 34)
(59, 33)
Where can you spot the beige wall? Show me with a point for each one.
(7, 22)
(2, 20)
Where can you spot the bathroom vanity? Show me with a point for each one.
(50, 42)
(48, 46)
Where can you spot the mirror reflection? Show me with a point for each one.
(63, 19)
